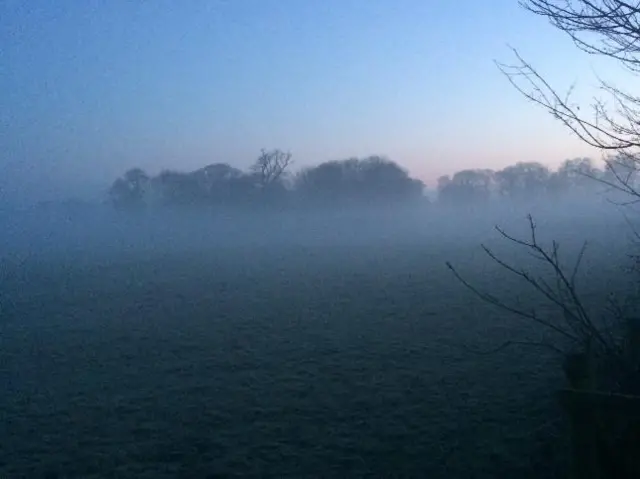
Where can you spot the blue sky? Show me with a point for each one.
(90, 88)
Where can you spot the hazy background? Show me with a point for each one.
(216, 321)
(91, 88)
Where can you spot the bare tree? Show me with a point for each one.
(129, 190)
(601, 355)
(604, 352)
(577, 332)
(608, 28)
(271, 166)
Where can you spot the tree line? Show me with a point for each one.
(525, 181)
(269, 181)
(353, 182)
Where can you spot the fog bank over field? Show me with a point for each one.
(98, 230)
(356, 201)
(332, 330)
(212, 338)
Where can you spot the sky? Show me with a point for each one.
(91, 88)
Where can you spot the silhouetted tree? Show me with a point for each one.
(524, 180)
(466, 187)
(608, 28)
(354, 180)
(598, 354)
(178, 189)
(213, 185)
(221, 184)
(605, 353)
(268, 174)
(270, 167)
(210, 176)
(579, 174)
(324, 182)
(129, 190)
(385, 179)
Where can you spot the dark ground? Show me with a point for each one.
(292, 361)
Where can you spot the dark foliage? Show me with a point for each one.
(374, 181)
(268, 183)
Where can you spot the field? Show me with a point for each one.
(279, 359)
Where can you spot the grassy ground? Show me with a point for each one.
(275, 362)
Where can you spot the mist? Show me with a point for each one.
(214, 334)
(435, 281)
(95, 230)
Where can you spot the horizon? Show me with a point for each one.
(99, 88)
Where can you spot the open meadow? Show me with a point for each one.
(275, 355)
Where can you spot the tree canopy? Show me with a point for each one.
(372, 181)
(266, 182)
